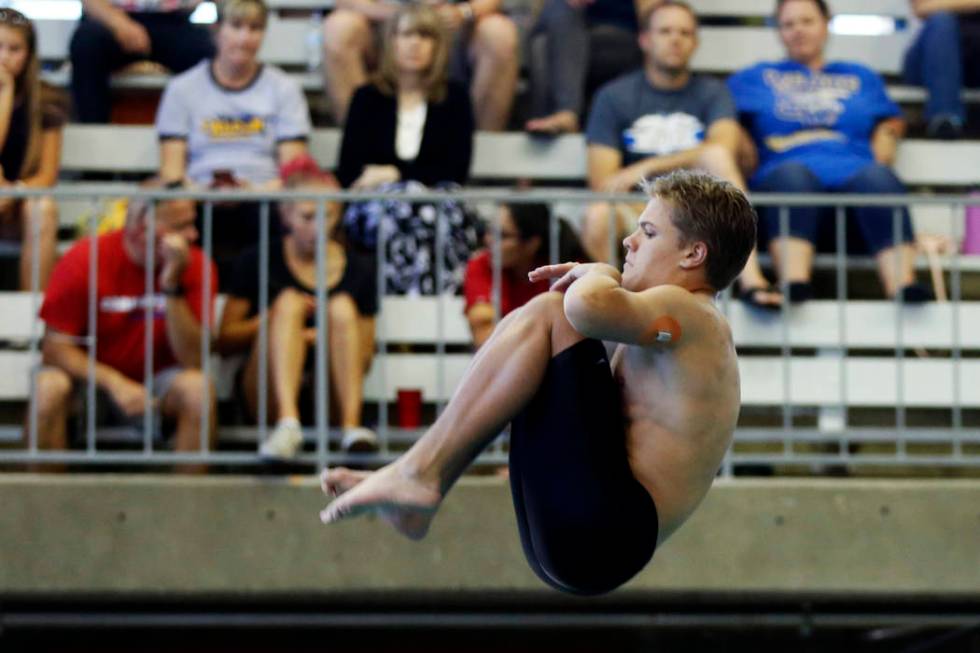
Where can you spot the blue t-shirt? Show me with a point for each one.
(824, 120)
(631, 115)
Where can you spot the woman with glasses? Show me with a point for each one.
(32, 116)
(524, 245)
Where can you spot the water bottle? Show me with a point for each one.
(314, 42)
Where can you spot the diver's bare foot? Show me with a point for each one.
(401, 499)
(563, 122)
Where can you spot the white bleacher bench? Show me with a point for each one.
(723, 49)
(815, 380)
(497, 156)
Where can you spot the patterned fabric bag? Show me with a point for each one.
(409, 232)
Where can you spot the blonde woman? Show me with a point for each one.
(31, 119)
(230, 122)
(409, 123)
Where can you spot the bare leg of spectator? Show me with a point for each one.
(792, 258)
(502, 378)
(54, 388)
(346, 364)
(184, 402)
(348, 41)
(44, 211)
(287, 350)
(896, 268)
(493, 52)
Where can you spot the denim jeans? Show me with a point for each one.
(95, 54)
(935, 61)
(870, 228)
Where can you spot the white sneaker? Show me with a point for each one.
(285, 441)
(359, 440)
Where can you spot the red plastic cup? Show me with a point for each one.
(409, 408)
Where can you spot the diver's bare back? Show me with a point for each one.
(681, 403)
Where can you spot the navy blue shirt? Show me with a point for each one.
(823, 120)
(631, 115)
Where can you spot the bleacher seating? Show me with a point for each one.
(873, 327)
(723, 48)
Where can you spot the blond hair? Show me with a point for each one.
(710, 210)
(424, 20)
(243, 10)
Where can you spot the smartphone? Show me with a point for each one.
(223, 179)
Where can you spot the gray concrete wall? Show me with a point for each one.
(158, 534)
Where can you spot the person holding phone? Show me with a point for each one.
(229, 122)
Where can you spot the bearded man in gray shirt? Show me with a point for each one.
(659, 119)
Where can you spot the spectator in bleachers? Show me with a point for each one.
(822, 127)
(115, 33)
(572, 30)
(230, 122)
(944, 58)
(32, 116)
(657, 119)
(120, 331)
(351, 285)
(483, 52)
(409, 123)
(525, 231)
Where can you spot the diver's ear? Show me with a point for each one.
(697, 255)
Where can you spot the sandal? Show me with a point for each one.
(800, 291)
(750, 298)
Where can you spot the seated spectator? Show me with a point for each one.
(409, 123)
(572, 31)
(115, 33)
(230, 122)
(524, 245)
(32, 116)
(657, 119)
(179, 387)
(944, 58)
(483, 53)
(822, 127)
(351, 284)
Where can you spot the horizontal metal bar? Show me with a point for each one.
(471, 195)
(515, 619)
(209, 458)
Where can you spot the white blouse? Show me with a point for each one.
(408, 135)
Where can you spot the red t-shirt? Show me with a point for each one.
(478, 285)
(121, 305)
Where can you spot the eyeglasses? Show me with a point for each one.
(13, 17)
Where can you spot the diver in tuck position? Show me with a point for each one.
(608, 455)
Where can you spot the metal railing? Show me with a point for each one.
(795, 441)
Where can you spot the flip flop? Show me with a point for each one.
(749, 298)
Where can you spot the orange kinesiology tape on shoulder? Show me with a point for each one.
(663, 330)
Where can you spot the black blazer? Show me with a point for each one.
(369, 138)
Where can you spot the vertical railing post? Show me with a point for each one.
(322, 331)
(206, 306)
(263, 309)
(898, 242)
(149, 323)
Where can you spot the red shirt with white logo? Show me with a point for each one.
(121, 303)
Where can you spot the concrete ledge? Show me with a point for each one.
(159, 535)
